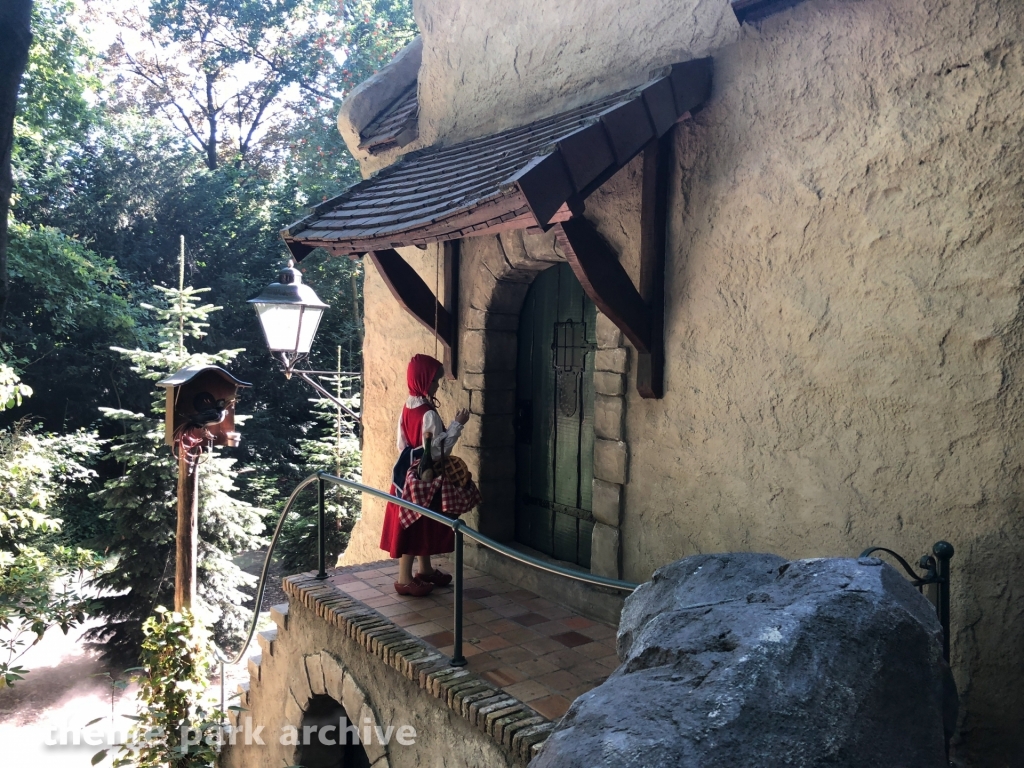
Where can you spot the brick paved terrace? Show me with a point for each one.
(538, 652)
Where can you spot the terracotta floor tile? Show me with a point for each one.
(468, 650)
(519, 635)
(590, 672)
(378, 602)
(598, 632)
(551, 707)
(476, 593)
(508, 611)
(344, 578)
(550, 628)
(542, 645)
(575, 693)
(553, 612)
(407, 619)
(471, 606)
(447, 621)
(475, 630)
(538, 603)
(527, 691)
(561, 680)
(592, 651)
(484, 662)
(492, 643)
(439, 639)
(495, 601)
(571, 639)
(611, 663)
(503, 676)
(436, 612)
(392, 609)
(513, 655)
(501, 626)
(529, 619)
(565, 658)
(536, 668)
(424, 629)
(577, 622)
(520, 595)
(483, 617)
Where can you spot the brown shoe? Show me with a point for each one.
(415, 588)
(437, 577)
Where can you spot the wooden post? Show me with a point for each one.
(188, 533)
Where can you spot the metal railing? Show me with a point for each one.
(936, 571)
(462, 532)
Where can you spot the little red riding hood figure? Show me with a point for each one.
(424, 537)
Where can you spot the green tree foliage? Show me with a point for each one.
(223, 71)
(55, 118)
(140, 504)
(40, 580)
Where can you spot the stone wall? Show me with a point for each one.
(328, 645)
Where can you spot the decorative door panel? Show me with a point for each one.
(555, 417)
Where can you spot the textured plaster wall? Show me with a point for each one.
(491, 66)
(844, 328)
(845, 324)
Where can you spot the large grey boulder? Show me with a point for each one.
(746, 660)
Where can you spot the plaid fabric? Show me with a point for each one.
(455, 500)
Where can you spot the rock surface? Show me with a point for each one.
(748, 660)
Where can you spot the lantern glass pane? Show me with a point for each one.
(280, 325)
(310, 322)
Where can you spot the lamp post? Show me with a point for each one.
(289, 313)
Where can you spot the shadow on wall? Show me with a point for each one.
(326, 721)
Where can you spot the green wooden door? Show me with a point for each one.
(555, 417)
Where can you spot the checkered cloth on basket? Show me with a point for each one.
(455, 499)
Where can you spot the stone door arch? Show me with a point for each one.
(496, 274)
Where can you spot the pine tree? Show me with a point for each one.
(334, 448)
(141, 508)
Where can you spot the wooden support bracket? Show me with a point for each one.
(597, 267)
(639, 313)
(650, 370)
(413, 294)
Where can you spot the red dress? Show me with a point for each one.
(425, 536)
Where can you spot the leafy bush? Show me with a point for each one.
(175, 727)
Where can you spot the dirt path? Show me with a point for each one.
(66, 688)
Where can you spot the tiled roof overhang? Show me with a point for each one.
(532, 176)
(395, 127)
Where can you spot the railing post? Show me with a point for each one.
(321, 533)
(458, 660)
(943, 554)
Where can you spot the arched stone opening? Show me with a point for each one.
(328, 737)
(496, 276)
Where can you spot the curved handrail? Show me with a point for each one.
(262, 585)
(914, 576)
(455, 524)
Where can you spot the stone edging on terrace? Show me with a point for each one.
(504, 718)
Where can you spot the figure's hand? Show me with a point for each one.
(462, 415)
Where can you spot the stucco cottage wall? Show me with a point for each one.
(844, 327)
